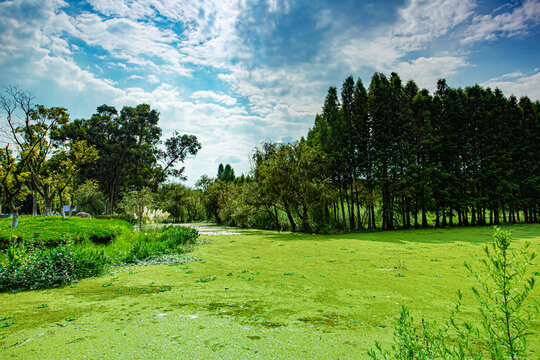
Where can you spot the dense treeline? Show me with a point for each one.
(461, 155)
(393, 155)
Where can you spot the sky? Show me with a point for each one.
(236, 73)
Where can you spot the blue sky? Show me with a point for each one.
(238, 72)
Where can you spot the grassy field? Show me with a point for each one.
(257, 294)
(51, 230)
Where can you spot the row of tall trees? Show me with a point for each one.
(462, 155)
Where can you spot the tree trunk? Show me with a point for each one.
(15, 215)
(290, 217)
(424, 217)
(360, 222)
(62, 206)
(351, 208)
(344, 218)
(34, 203)
(72, 204)
(444, 224)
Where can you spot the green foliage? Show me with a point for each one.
(41, 268)
(135, 202)
(90, 261)
(168, 240)
(128, 145)
(503, 288)
(90, 199)
(123, 217)
(28, 265)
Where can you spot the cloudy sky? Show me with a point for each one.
(238, 72)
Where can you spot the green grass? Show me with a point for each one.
(52, 230)
(265, 295)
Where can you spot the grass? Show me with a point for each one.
(51, 230)
(265, 295)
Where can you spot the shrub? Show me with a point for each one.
(27, 266)
(90, 262)
(89, 198)
(41, 268)
(167, 240)
(124, 217)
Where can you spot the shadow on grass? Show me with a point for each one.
(469, 234)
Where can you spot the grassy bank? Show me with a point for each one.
(258, 294)
(74, 249)
(52, 230)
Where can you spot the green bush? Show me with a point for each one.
(41, 268)
(90, 262)
(27, 266)
(167, 240)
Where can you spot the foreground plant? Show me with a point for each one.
(502, 289)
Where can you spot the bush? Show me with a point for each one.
(90, 199)
(27, 266)
(168, 240)
(90, 262)
(41, 268)
(261, 220)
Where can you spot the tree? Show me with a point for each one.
(382, 134)
(28, 130)
(173, 198)
(128, 145)
(89, 198)
(135, 202)
(177, 148)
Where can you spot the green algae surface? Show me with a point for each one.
(258, 294)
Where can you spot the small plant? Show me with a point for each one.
(400, 265)
(501, 293)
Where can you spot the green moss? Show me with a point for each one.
(335, 316)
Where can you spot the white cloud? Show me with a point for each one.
(517, 84)
(419, 24)
(516, 22)
(422, 21)
(153, 79)
(220, 98)
(426, 71)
